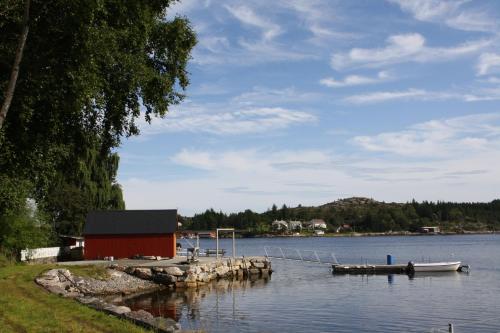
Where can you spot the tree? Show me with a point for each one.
(9, 92)
(89, 70)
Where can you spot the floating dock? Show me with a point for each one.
(382, 269)
(371, 269)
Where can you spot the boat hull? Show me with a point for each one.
(436, 266)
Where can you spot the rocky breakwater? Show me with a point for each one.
(85, 289)
(198, 274)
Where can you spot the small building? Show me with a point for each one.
(127, 233)
(343, 228)
(430, 230)
(316, 224)
(295, 225)
(279, 225)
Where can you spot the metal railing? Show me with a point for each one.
(320, 257)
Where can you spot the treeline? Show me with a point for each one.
(75, 77)
(370, 216)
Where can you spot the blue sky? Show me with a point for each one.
(305, 102)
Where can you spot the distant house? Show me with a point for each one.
(429, 230)
(295, 225)
(316, 224)
(343, 227)
(126, 233)
(279, 225)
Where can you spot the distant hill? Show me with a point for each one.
(364, 215)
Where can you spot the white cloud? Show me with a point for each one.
(488, 63)
(384, 96)
(473, 21)
(428, 162)
(251, 160)
(247, 16)
(452, 13)
(240, 121)
(355, 80)
(424, 95)
(427, 10)
(404, 48)
(439, 138)
(268, 96)
(318, 17)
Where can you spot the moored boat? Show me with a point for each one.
(436, 266)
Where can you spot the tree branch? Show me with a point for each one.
(9, 93)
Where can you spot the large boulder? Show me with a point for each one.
(165, 279)
(143, 273)
(175, 271)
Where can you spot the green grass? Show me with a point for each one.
(92, 271)
(26, 307)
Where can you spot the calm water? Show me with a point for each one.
(302, 297)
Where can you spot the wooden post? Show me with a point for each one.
(234, 247)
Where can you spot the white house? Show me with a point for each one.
(279, 225)
(295, 225)
(316, 224)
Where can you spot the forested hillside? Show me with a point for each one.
(362, 215)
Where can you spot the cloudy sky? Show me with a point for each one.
(308, 101)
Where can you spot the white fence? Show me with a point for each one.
(46, 252)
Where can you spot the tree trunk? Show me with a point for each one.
(9, 93)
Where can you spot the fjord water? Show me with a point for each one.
(306, 297)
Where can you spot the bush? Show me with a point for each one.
(25, 228)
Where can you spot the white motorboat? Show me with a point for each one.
(436, 266)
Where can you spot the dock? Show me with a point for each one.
(371, 269)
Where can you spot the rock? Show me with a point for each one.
(167, 324)
(175, 271)
(130, 270)
(191, 278)
(143, 273)
(157, 270)
(164, 279)
(179, 284)
(258, 264)
(265, 272)
(116, 310)
(87, 299)
(204, 277)
(117, 267)
(140, 315)
(221, 271)
(56, 290)
(254, 271)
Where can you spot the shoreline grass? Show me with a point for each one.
(26, 307)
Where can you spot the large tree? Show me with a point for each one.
(87, 68)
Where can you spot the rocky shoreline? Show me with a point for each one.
(129, 280)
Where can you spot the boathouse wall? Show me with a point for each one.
(127, 246)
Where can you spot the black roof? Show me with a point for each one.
(127, 222)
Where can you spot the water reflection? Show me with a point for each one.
(429, 275)
(187, 302)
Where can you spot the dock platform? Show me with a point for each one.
(371, 269)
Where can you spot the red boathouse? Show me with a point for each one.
(126, 233)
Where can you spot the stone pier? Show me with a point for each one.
(192, 275)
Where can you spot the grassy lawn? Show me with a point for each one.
(26, 307)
